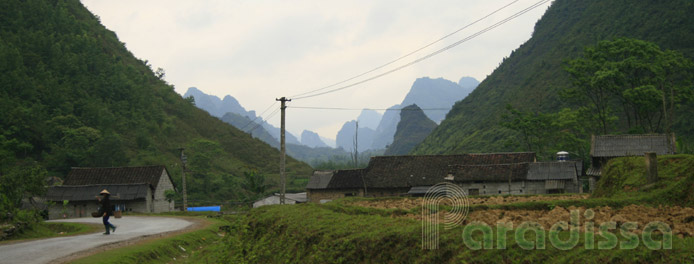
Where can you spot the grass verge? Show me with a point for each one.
(53, 229)
(164, 250)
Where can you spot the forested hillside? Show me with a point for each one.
(534, 76)
(71, 94)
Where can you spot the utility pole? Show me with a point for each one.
(283, 150)
(356, 146)
(184, 160)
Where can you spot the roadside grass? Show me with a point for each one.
(341, 232)
(313, 233)
(164, 250)
(43, 229)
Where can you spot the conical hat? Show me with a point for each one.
(105, 192)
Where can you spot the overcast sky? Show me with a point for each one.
(259, 50)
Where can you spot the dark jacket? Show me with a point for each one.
(106, 205)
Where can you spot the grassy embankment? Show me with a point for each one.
(340, 232)
(53, 229)
(165, 250)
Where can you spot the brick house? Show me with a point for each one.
(136, 189)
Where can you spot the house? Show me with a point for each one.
(478, 174)
(289, 198)
(604, 148)
(136, 189)
(329, 185)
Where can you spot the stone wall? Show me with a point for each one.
(160, 204)
(316, 196)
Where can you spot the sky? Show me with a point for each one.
(260, 50)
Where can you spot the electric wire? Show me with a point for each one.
(468, 38)
(260, 115)
(376, 109)
(273, 113)
(406, 55)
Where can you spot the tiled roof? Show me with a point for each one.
(540, 171)
(629, 145)
(117, 175)
(494, 172)
(90, 192)
(427, 170)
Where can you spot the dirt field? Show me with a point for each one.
(491, 200)
(680, 219)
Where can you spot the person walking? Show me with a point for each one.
(107, 211)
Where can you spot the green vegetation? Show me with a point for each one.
(533, 77)
(311, 233)
(624, 178)
(341, 232)
(414, 126)
(54, 229)
(72, 95)
(163, 250)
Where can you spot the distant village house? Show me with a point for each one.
(477, 174)
(133, 189)
(604, 148)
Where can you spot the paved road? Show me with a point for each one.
(46, 250)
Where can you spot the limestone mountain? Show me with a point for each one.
(414, 126)
(215, 106)
(426, 93)
(218, 107)
(345, 137)
(311, 139)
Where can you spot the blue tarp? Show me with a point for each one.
(215, 208)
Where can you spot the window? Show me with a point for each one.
(473, 191)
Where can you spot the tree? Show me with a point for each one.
(635, 75)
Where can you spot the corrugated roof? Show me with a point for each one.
(343, 179)
(319, 180)
(427, 170)
(540, 171)
(116, 175)
(90, 192)
(629, 145)
(338, 179)
(593, 171)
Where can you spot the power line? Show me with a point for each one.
(256, 118)
(528, 9)
(408, 54)
(378, 109)
(261, 121)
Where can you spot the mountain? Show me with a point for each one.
(369, 118)
(427, 93)
(311, 139)
(532, 76)
(218, 107)
(436, 93)
(345, 137)
(72, 95)
(215, 106)
(386, 128)
(414, 126)
(252, 127)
